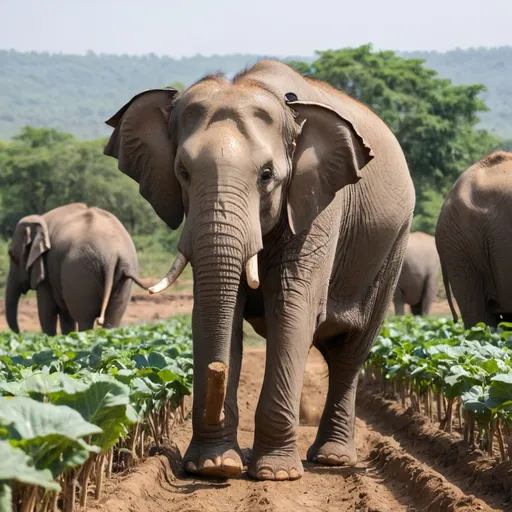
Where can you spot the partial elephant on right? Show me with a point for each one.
(419, 279)
(474, 241)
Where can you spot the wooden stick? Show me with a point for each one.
(216, 393)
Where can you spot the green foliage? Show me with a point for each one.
(66, 401)
(426, 358)
(433, 119)
(77, 94)
(43, 169)
(492, 66)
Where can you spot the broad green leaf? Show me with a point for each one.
(15, 465)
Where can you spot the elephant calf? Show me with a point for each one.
(81, 261)
(419, 279)
(473, 240)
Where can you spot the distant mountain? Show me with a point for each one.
(78, 93)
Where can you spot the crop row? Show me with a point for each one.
(449, 373)
(78, 407)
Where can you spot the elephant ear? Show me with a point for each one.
(38, 239)
(329, 155)
(142, 144)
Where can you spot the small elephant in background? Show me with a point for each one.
(81, 261)
(419, 279)
(473, 240)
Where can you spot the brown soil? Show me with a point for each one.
(142, 307)
(393, 475)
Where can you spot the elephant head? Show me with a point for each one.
(27, 268)
(237, 160)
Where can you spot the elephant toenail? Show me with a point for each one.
(229, 462)
(294, 474)
(208, 463)
(333, 459)
(265, 474)
(282, 475)
(190, 466)
(321, 459)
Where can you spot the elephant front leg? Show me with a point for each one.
(214, 449)
(289, 335)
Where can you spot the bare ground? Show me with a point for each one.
(392, 475)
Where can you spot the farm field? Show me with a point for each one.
(418, 371)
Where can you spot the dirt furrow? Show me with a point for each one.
(388, 478)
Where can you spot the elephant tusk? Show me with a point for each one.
(174, 272)
(251, 271)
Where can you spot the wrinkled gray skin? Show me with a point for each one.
(473, 240)
(81, 261)
(419, 280)
(319, 188)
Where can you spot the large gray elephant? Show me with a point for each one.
(419, 280)
(473, 240)
(81, 261)
(309, 192)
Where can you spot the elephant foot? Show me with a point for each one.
(333, 453)
(221, 460)
(275, 464)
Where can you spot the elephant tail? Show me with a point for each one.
(446, 282)
(136, 281)
(109, 283)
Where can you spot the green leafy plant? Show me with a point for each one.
(443, 371)
(74, 408)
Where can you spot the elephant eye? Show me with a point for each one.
(266, 176)
(183, 172)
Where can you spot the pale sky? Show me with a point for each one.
(271, 27)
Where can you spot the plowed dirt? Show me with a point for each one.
(389, 477)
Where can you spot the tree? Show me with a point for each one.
(43, 168)
(433, 120)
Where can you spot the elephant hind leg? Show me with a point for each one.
(345, 355)
(334, 444)
(417, 309)
(118, 303)
(468, 290)
(47, 310)
(67, 323)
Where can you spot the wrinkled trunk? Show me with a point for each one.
(13, 292)
(223, 241)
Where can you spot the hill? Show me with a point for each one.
(77, 94)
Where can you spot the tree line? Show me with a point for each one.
(75, 93)
(435, 121)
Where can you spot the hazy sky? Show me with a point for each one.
(277, 27)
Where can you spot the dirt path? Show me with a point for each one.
(387, 478)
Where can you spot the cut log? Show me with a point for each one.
(216, 393)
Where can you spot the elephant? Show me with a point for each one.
(298, 203)
(419, 280)
(473, 240)
(80, 260)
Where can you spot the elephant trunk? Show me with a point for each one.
(218, 264)
(13, 292)
(224, 244)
